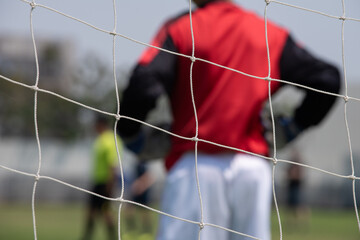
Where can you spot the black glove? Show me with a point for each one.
(286, 130)
(136, 143)
(150, 143)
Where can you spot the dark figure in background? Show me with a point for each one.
(140, 188)
(294, 186)
(139, 219)
(103, 178)
(295, 180)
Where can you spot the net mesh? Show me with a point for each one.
(37, 176)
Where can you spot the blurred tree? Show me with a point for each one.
(56, 117)
(92, 84)
(93, 81)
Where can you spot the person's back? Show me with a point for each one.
(227, 102)
(235, 187)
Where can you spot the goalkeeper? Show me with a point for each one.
(235, 187)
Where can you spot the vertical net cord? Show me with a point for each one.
(345, 110)
(36, 89)
(113, 33)
(272, 119)
(196, 120)
(33, 4)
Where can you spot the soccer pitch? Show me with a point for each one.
(58, 222)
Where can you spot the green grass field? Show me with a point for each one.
(59, 222)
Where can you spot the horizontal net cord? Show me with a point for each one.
(230, 230)
(145, 44)
(57, 95)
(186, 220)
(103, 30)
(345, 97)
(193, 58)
(235, 149)
(199, 59)
(39, 177)
(319, 169)
(139, 121)
(275, 161)
(160, 129)
(315, 11)
(278, 80)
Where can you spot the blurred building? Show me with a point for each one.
(56, 73)
(17, 61)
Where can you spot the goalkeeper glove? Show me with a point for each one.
(135, 143)
(286, 130)
(150, 143)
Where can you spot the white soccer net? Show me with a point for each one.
(37, 176)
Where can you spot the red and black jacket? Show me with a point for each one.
(228, 103)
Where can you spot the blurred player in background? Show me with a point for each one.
(103, 178)
(138, 219)
(295, 182)
(235, 187)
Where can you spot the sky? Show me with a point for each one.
(139, 19)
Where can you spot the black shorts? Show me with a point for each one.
(98, 202)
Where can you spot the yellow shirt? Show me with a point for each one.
(105, 156)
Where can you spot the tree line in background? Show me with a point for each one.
(91, 84)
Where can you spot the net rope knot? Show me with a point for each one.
(352, 177)
(201, 225)
(117, 117)
(342, 18)
(195, 139)
(268, 79)
(35, 88)
(346, 99)
(37, 177)
(275, 161)
(193, 59)
(113, 33)
(267, 2)
(32, 5)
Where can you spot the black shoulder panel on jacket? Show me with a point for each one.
(146, 84)
(297, 65)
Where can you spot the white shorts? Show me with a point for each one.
(235, 191)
